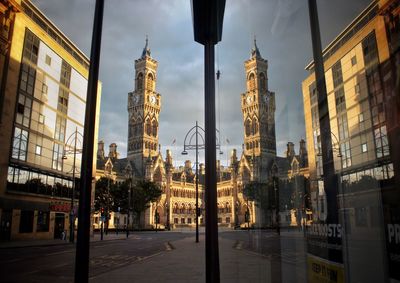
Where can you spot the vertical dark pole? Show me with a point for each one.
(102, 229)
(197, 184)
(330, 178)
(278, 225)
(82, 246)
(212, 253)
(72, 215)
(129, 207)
(108, 203)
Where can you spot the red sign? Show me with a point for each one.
(63, 207)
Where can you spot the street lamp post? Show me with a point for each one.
(167, 209)
(73, 138)
(129, 208)
(237, 206)
(208, 18)
(129, 176)
(277, 218)
(108, 201)
(156, 217)
(188, 145)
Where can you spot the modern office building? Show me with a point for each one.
(43, 98)
(362, 82)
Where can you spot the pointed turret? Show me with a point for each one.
(146, 49)
(254, 51)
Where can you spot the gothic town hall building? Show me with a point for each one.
(258, 160)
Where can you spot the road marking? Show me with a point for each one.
(169, 246)
(148, 257)
(58, 253)
(238, 245)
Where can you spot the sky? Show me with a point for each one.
(283, 38)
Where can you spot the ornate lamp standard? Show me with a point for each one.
(194, 133)
(72, 139)
(108, 173)
(167, 209)
(129, 176)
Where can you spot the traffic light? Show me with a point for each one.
(102, 211)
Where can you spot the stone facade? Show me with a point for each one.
(176, 206)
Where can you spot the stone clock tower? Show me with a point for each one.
(258, 108)
(144, 105)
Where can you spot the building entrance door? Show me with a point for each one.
(5, 225)
(59, 225)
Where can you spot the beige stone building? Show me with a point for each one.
(258, 161)
(43, 98)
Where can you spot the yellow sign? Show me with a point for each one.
(323, 271)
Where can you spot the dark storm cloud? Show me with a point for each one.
(282, 30)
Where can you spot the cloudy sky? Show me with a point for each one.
(283, 37)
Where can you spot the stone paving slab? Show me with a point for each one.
(185, 262)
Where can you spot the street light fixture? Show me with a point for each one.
(129, 175)
(108, 172)
(208, 16)
(167, 209)
(72, 139)
(194, 133)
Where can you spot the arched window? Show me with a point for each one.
(157, 176)
(148, 127)
(255, 127)
(252, 82)
(139, 82)
(263, 85)
(154, 128)
(150, 81)
(248, 127)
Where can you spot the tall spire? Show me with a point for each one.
(146, 49)
(254, 51)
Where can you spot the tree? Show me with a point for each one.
(365, 183)
(103, 197)
(260, 193)
(120, 195)
(144, 193)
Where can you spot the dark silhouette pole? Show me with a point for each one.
(83, 237)
(129, 175)
(329, 177)
(208, 18)
(212, 252)
(197, 184)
